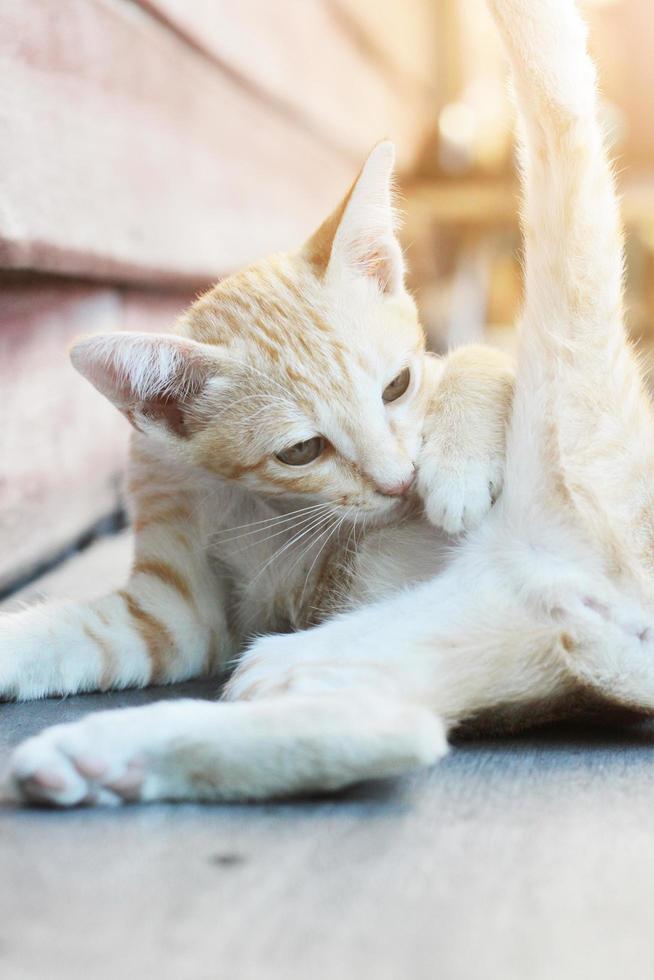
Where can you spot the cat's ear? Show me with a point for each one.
(360, 234)
(151, 378)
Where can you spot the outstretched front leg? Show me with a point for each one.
(195, 750)
(167, 623)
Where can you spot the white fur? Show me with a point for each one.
(315, 745)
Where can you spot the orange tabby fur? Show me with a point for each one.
(229, 541)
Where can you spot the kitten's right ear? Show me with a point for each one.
(151, 378)
(360, 234)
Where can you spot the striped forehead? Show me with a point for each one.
(276, 315)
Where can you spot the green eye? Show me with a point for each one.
(302, 452)
(397, 387)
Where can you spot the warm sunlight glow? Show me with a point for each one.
(457, 124)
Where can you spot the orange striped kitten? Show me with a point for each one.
(549, 603)
(272, 472)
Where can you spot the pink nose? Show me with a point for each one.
(398, 489)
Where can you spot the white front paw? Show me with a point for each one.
(98, 760)
(458, 493)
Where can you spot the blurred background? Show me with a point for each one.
(148, 147)
(461, 227)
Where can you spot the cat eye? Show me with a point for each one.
(302, 452)
(397, 387)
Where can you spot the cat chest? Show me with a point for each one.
(284, 596)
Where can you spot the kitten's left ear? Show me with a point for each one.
(153, 379)
(360, 234)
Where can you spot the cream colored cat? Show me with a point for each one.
(271, 478)
(546, 606)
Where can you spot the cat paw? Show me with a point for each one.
(86, 763)
(278, 664)
(458, 493)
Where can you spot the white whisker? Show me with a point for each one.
(330, 535)
(304, 551)
(267, 522)
(287, 529)
(317, 523)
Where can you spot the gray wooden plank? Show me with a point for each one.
(167, 170)
(511, 860)
(62, 447)
(101, 567)
(287, 52)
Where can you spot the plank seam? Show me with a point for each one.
(286, 109)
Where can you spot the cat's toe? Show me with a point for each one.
(41, 773)
(446, 512)
(68, 766)
(128, 786)
(478, 500)
(458, 502)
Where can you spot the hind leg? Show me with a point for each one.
(577, 518)
(581, 445)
